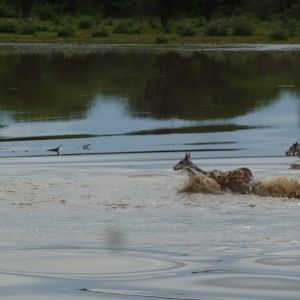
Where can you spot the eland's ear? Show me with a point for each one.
(189, 155)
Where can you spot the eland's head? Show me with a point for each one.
(188, 167)
(182, 164)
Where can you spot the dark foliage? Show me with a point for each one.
(216, 28)
(164, 10)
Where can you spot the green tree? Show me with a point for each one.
(26, 7)
(208, 8)
(116, 8)
(166, 10)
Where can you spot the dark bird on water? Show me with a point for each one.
(86, 146)
(57, 149)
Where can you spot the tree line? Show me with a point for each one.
(165, 10)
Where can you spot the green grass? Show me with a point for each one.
(147, 34)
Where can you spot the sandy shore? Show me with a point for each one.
(11, 47)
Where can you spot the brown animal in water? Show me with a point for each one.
(238, 180)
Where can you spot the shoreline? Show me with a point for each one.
(89, 48)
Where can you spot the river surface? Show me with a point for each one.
(216, 104)
(104, 219)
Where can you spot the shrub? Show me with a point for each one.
(64, 20)
(279, 32)
(8, 26)
(41, 27)
(151, 23)
(97, 19)
(109, 22)
(126, 28)
(200, 22)
(242, 26)
(7, 11)
(102, 32)
(27, 28)
(65, 30)
(185, 30)
(85, 22)
(290, 25)
(216, 28)
(46, 12)
(161, 40)
(167, 29)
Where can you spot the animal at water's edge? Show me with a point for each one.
(294, 150)
(238, 180)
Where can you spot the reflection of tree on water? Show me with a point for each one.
(199, 86)
(213, 86)
(39, 88)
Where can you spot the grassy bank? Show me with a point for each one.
(90, 29)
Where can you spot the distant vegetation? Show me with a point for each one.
(150, 21)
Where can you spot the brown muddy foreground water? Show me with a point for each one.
(78, 227)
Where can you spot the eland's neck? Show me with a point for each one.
(193, 170)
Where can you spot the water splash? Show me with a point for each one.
(278, 187)
(282, 187)
(201, 184)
